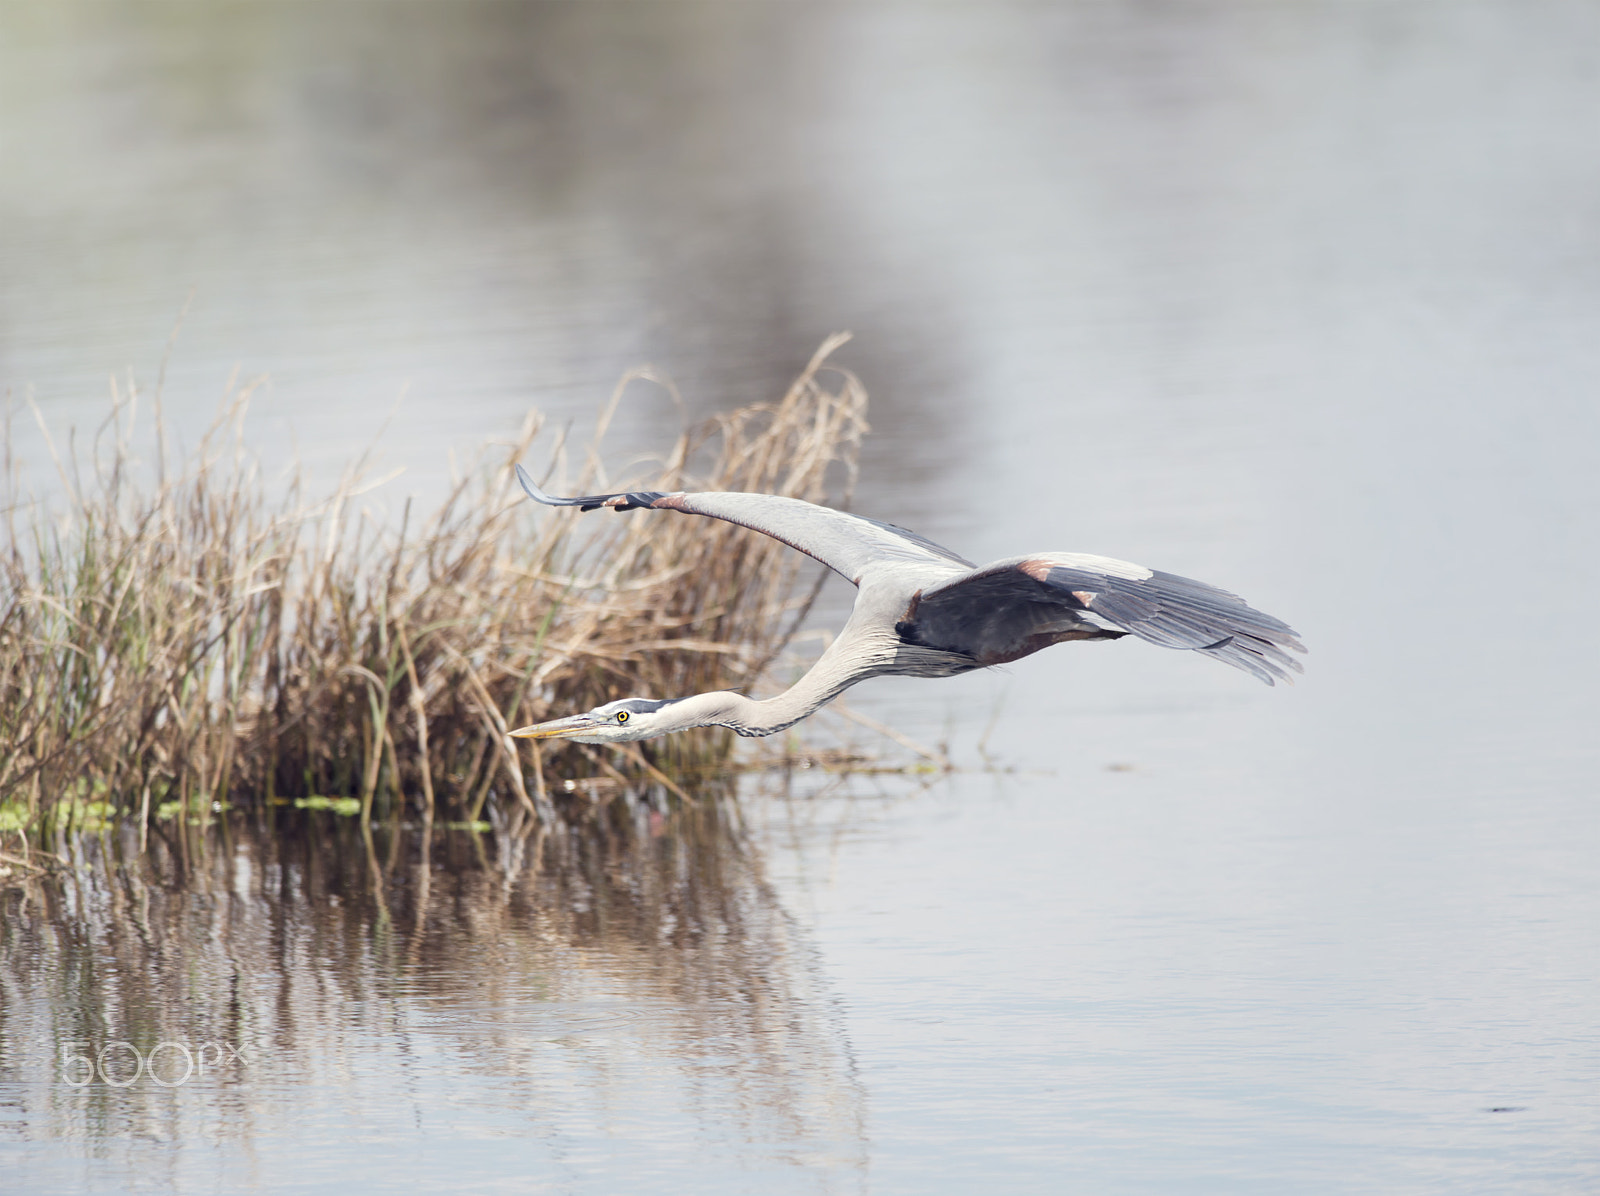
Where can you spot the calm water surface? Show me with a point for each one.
(1301, 300)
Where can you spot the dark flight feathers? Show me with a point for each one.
(990, 612)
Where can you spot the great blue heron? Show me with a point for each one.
(923, 611)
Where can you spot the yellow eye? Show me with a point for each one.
(622, 716)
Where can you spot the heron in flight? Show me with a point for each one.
(923, 611)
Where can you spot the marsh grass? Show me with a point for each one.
(185, 636)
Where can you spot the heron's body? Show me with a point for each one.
(923, 611)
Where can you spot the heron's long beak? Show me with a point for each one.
(560, 728)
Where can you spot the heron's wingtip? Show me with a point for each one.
(532, 490)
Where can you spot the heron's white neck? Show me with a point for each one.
(833, 673)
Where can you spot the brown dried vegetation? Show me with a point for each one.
(187, 641)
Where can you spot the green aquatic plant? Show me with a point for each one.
(345, 807)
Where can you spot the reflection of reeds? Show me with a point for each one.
(643, 969)
(165, 647)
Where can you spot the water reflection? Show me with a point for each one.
(578, 995)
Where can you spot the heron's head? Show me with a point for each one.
(615, 722)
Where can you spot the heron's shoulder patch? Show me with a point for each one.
(1039, 567)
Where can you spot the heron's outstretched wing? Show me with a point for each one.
(991, 611)
(848, 544)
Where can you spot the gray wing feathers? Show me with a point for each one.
(849, 544)
(1163, 608)
(1179, 612)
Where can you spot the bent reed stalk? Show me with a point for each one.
(165, 648)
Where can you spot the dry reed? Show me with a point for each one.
(172, 645)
